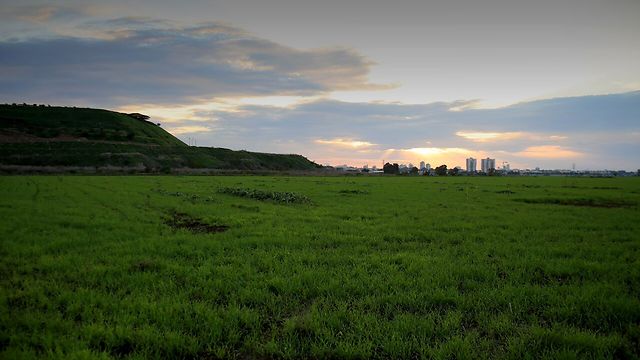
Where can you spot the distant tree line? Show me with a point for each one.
(439, 171)
(37, 105)
(25, 104)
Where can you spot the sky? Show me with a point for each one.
(540, 83)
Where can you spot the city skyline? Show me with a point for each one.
(544, 84)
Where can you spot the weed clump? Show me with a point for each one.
(192, 197)
(276, 196)
(353, 192)
(184, 221)
(508, 192)
(589, 202)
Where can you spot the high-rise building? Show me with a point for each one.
(471, 165)
(421, 165)
(487, 164)
(427, 167)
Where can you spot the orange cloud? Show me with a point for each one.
(548, 152)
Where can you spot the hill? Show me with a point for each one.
(34, 137)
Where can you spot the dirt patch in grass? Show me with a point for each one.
(179, 220)
(599, 203)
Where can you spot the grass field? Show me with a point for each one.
(319, 267)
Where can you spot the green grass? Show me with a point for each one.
(371, 267)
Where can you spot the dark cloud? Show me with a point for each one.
(142, 60)
(38, 14)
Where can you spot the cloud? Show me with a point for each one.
(139, 60)
(39, 14)
(489, 136)
(346, 143)
(192, 129)
(436, 151)
(558, 137)
(549, 133)
(549, 152)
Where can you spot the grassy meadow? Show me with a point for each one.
(319, 267)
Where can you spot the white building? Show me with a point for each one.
(487, 164)
(427, 167)
(471, 165)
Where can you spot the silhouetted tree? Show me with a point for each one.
(414, 171)
(391, 169)
(441, 170)
(453, 172)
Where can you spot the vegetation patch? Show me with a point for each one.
(144, 266)
(192, 197)
(589, 202)
(246, 208)
(508, 192)
(353, 192)
(179, 220)
(276, 196)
